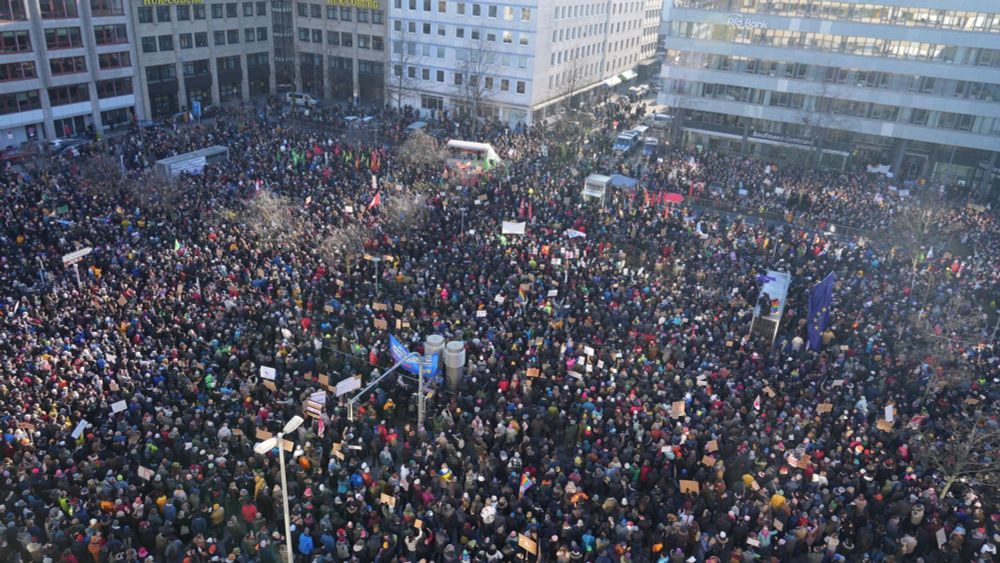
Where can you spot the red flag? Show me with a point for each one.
(520, 210)
(531, 211)
(645, 193)
(375, 200)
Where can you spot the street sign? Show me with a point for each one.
(76, 256)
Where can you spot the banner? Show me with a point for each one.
(432, 365)
(820, 302)
(512, 228)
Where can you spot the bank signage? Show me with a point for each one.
(740, 21)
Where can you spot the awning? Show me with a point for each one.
(613, 81)
(628, 75)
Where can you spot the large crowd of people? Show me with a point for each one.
(615, 406)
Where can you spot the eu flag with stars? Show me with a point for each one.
(819, 309)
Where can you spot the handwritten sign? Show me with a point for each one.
(387, 499)
(677, 409)
(884, 425)
(778, 525)
(770, 392)
(270, 385)
(708, 461)
(480, 314)
(145, 473)
(118, 407)
(690, 486)
(527, 544)
(889, 412)
(533, 372)
(80, 427)
(824, 407)
(712, 446)
(418, 523)
(268, 373)
(380, 307)
(942, 537)
(381, 324)
(398, 308)
(262, 434)
(324, 380)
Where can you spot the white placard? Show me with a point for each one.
(318, 397)
(78, 431)
(268, 373)
(553, 293)
(889, 412)
(588, 350)
(575, 374)
(345, 386)
(512, 228)
(480, 314)
(499, 299)
(118, 407)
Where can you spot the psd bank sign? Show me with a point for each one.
(739, 21)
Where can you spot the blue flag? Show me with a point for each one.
(820, 302)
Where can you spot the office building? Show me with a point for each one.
(516, 61)
(214, 52)
(65, 65)
(909, 83)
(340, 48)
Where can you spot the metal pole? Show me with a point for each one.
(41, 269)
(284, 496)
(76, 268)
(420, 396)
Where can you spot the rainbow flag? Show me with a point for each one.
(526, 484)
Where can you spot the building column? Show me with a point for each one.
(986, 182)
(744, 144)
(897, 157)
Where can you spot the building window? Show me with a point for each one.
(362, 16)
(12, 10)
(217, 11)
(520, 86)
(442, 31)
(460, 32)
(378, 43)
(63, 38)
(526, 14)
(231, 10)
(194, 68)
(477, 10)
(248, 9)
(185, 40)
(440, 76)
(919, 116)
(504, 85)
(345, 14)
(201, 39)
(145, 14)
(460, 8)
(522, 39)
(257, 59)
(98, 8)
(166, 42)
(508, 13)
(303, 34)
(68, 65)
(425, 74)
(347, 39)
(249, 35)
(317, 36)
(110, 34)
(52, 9)
(229, 92)
(18, 71)
(261, 34)
(262, 8)
(225, 64)
(364, 41)
(331, 12)
(219, 37)
(508, 37)
(474, 34)
(458, 79)
(19, 101)
(148, 44)
(426, 28)
(161, 73)
(315, 11)
(163, 13)
(492, 11)
(378, 17)
(303, 10)
(183, 13)
(114, 60)
(442, 7)
(199, 11)
(112, 88)
(333, 38)
(69, 94)
(431, 102)
(370, 67)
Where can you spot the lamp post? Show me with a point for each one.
(261, 448)
(376, 259)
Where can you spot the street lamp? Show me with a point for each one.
(376, 259)
(261, 448)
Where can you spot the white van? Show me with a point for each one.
(301, 99)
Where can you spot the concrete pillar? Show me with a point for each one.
(454, 363)
(897, 156)
(434, 344)
(986, 182)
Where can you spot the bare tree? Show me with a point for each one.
(402, 59)
(475, 68)
(273, 217)
(820, 119)
(963, 449)
(573, 80)
(420, 150)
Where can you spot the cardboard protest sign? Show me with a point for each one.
(527, 544)
(677, 409)
(381, 324)
(268, 373)
(145, 473)
(533, 372)
(884, 425)
(824, 407)
(324, 380)
(262, 434)
(418, 523)
(398, 308)
(347, 385)
(380, 307)
(770, 392)
(386, 499)
(270, 385)
(708, 461)
(690, 486)
(712, 446)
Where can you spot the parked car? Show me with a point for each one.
(651, 147)
(659, 120)
(301, 99)
(149, 125)
(62, 141)
(625, 142)
(209, 111)
(13, 155)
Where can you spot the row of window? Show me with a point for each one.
(62, 38)
(151, 44)
(342, 39)
(489, 83)
(197, 11)
(344, 64)
(475, 34)
(63, 95)
(343, 13)
(508, 13)
(834, 106)
(16, 10)
(849, 44)
(165, 72)
(857, 12)
(491, 58)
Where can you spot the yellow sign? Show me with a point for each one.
(370, 4)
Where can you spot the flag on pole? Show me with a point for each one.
(756, 403)
(177, 245)
(526, 483)
(375, 200)
(820, 303)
